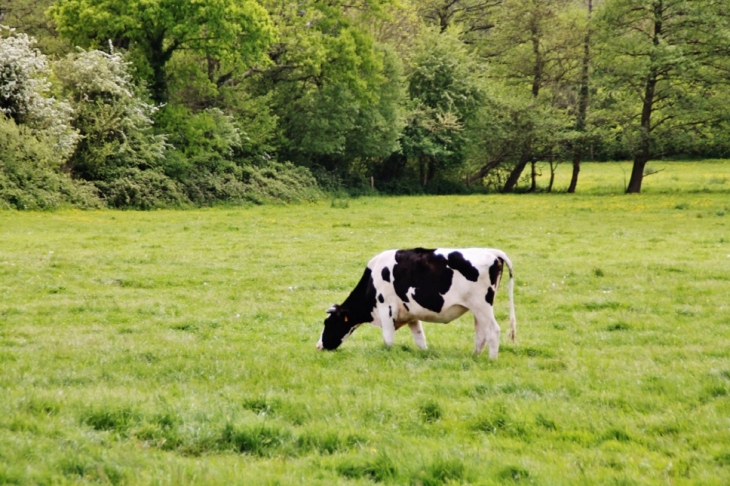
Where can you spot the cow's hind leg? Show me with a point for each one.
(419, 337)
(486, 331)
(480, 336)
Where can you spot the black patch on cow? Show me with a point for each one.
(495, 271)
(490, 296)
(510, 270)
(381, 299)
(355, 310)
(385, 274)
(390, 311)
(463, 266)
(425, 271)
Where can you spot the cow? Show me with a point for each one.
(402, 287)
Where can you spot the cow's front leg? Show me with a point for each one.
(387, 324)
(419, 337)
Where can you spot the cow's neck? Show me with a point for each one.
(361, 301)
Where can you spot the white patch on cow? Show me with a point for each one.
(344, 338)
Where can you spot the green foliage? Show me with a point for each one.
(444, 92)
(29, 173)
(221, 168)
(225, 30)
(662, 67)
(29, 17)
(142, 189)
(429, 97)
(335, 91)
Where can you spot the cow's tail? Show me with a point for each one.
(512, 317)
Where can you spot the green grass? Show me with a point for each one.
(178, 347)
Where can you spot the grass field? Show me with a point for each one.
(178, 347)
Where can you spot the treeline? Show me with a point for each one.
(151, 103)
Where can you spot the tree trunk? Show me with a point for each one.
(158, 59)
(484, 170)
(431, 173)
(644, 153)
(580, 122)
(514, 176)
(577, 155)
(637, 174)
(553, 167)
(552, 181)
(533, 177)
(537, 75)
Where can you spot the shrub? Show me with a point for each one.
(25, 94)
(29, 173)
(110, 114)
(142, 189)
(442, 187)
(235, 184)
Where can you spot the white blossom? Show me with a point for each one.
(25, 93)
(95, 78)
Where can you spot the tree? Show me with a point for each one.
(663, 64)
(154, 30)
(444, 91)
(335, 91)
(583, 95)
(473, 17)
(28, 17)
(532, 54)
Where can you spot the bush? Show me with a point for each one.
(142, 189)
(110, 114)
(234, 184)
(442, 187)
(29, 174)
(25, 94)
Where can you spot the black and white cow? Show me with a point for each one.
(402, 287)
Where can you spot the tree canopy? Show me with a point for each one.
(160, 102)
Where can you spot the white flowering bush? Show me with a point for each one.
(25, 94)
(114, 121)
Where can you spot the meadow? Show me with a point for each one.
(178, 347)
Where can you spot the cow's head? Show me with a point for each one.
(337, 327)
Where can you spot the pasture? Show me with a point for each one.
(178, 347)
